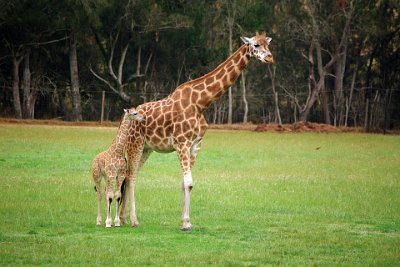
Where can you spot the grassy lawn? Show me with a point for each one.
(258, 199)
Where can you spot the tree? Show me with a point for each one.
(76, 96)
(23, 31)
(318, 25)
(129, 28)
(335, 61)
(272, 74)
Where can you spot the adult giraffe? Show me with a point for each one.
(176, 123)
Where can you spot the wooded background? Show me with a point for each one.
(336, 62)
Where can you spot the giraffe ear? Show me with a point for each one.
(269, 39)
(245, 40)
(125, 110)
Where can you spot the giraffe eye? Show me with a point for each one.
(256, 45)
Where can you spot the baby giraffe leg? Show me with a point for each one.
(97, 179)
(118, 198)
(109, 199)
(98, 193)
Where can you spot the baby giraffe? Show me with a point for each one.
(112, 165)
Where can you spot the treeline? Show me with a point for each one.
(336, 62)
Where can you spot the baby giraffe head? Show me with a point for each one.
(132, 114)
(258, 46)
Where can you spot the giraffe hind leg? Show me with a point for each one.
(97, 179)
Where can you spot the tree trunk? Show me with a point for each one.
(306, 110)
(246, 104)
(277, 112)
(76, 97)
(28, 103)
(15, 87)
(317, 87)
(215, 113)
(325, 107)
(231, 21)
(348, 105)
(340, 66)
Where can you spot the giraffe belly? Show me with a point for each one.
(164, 146)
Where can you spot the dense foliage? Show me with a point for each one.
(336, 61)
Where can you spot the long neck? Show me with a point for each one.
(208, 88)
(122, 134)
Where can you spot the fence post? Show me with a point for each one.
(102, 106)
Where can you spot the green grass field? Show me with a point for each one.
(258, 199)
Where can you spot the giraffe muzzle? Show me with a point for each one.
(269, 59)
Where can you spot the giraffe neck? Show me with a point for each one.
(118, 144)
(208, 88)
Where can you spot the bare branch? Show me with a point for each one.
(147, 64)
(49, 42)
(103, 80)
(293, 97)
(110, 67)
(121, 62)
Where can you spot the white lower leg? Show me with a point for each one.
(125, 199)
(109, 198)
(134, 220)
(117, 221)
(98, 219)
(187, 187)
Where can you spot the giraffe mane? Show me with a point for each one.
(120, 121)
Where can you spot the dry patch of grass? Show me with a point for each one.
(301, 126)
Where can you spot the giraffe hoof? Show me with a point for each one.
(187, 228)
(135, 225)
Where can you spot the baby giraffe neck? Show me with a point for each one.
(122, 134)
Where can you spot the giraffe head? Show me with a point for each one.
(258, 46)
(132, 114)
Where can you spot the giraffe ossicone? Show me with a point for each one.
(176, 123)
(112, 165)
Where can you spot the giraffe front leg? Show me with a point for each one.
(187, 188)
(133, 217)
(118, 198)
(194, 151)
(124, 201)
(109, 198)
(187, 185)
(134, 149)
(129, 194)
